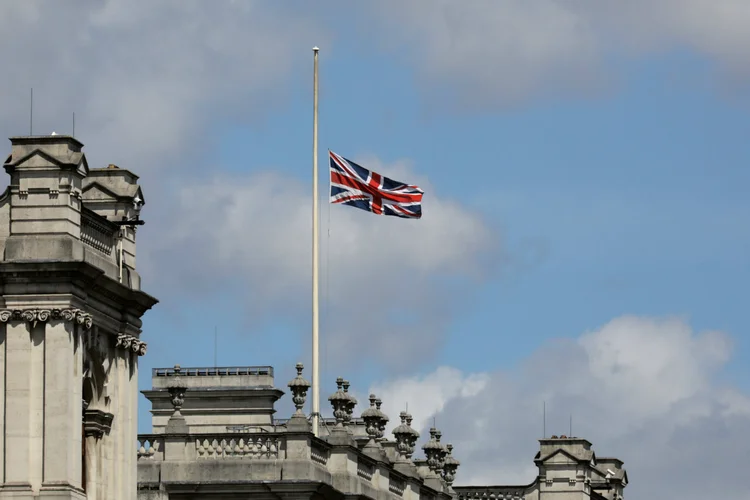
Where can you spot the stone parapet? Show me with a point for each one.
(211, 462)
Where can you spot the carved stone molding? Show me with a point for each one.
(35, 316)
(130, 343)
(96, 423)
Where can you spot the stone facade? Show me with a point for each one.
(69, 326)
(215, 436)
(218, 438)
(568, 470)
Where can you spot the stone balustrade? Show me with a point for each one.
(263, 446)
(150, 447)
(97, 232)
(289, 455)
(494, 492)
(319, 452)
(222, 446)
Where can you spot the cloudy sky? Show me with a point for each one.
(586, 221)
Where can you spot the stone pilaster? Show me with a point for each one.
(20, 371)
(93, 468)
(132, 465)
(62, 412)
(3, 346)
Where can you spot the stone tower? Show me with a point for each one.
(70, 309)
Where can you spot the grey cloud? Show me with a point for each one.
(381, 276)
(146, 79)
(485, 53)
(644, 390)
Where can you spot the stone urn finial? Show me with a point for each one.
(383, 420)
(340, 402)
(406, 437)
(433, 451)
(450, 466)
(415, 435)
(371, 416)
(352, 402)
(299, 386)
(443, 450)
(177, 388)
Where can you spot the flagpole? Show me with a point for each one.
(315, 304)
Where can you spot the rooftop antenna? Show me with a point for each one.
(74, 124)
(216, 343)
(570, 429)
(544, 420)
(31, 113)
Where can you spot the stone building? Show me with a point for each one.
(215, 435)
(70, 332)
(69, 324)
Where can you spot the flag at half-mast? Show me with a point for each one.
(358, 187)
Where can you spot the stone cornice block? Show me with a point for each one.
(97, 423)
(49, 276)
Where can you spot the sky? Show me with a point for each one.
(586, 220)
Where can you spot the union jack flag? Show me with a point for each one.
(356, 186)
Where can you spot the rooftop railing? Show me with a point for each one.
(221, 371)
(491, 492)
(97, 232)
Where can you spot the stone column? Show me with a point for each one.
(119, 448)
(119, 426)
(62, 412)
(3, 345)
(96, 425)
(17, 453)
(92, 468)
(131, 457)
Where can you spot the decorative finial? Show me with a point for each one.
(383, 420)
(299, 386)
(177, 388)
(352, 402)
(450, 466)
(371, 416)
(339, 401)
(406, 437)
(433, 451)
(443, 450)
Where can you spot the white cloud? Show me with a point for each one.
(487, 52)
(641, 389)
(426, 396)
(145, 79)
(391, 282)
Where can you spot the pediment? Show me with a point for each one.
(563, 457)
(139, 194)
(83, 166)
(560, 457)
(41, 160)
(96, 191)
(37, 159)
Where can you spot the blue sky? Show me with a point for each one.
(585, 177)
